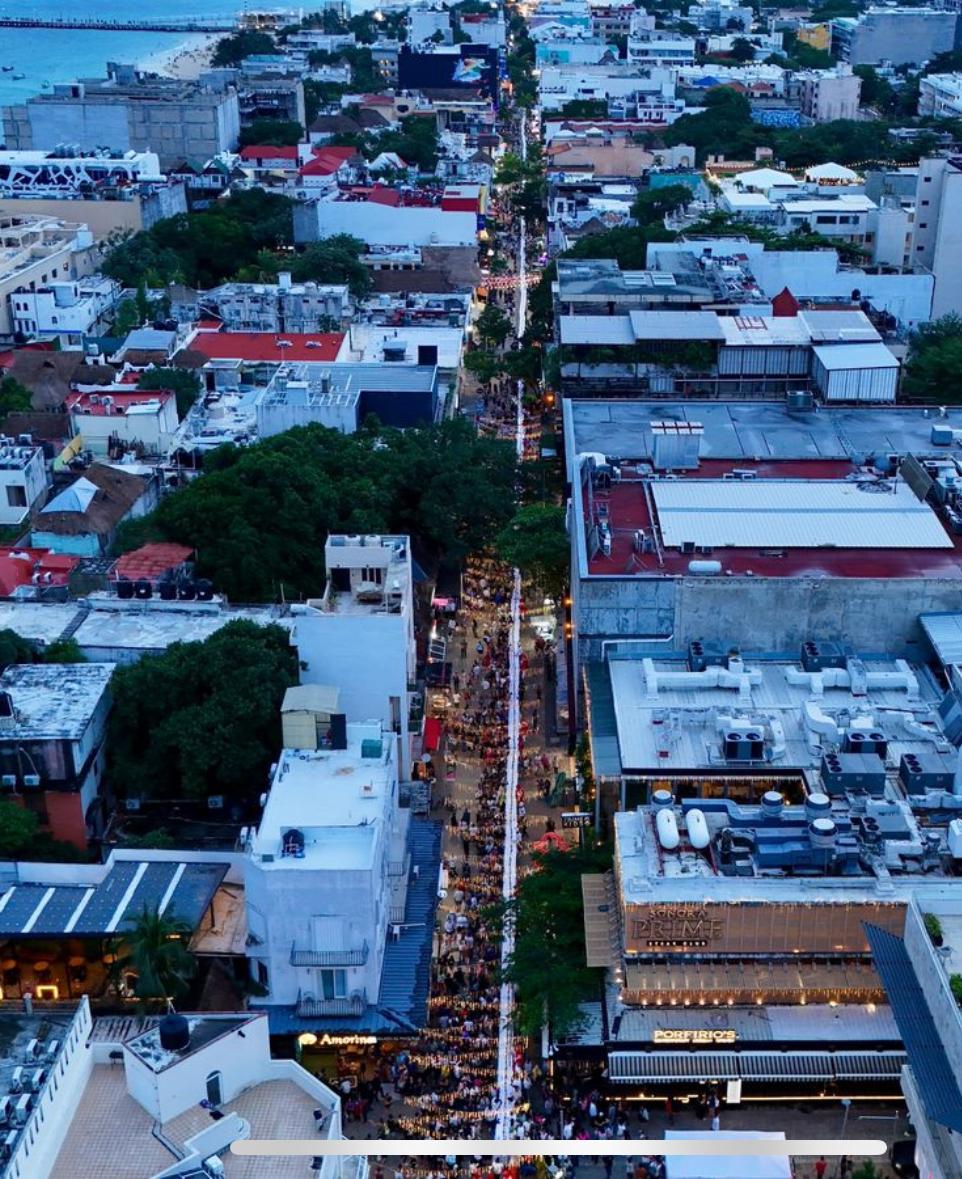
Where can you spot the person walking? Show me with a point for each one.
(715, 1122)
(820, 1168)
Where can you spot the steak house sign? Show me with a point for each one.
(674, 926)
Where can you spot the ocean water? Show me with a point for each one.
(55, 55)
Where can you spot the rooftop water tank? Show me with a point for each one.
(661, 798)
(667, 826)
(704, 568)
(174, 1032)
(698, 834)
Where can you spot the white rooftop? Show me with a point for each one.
(335, 798)
(762, 179)
(795, 513)
(667, 717)
(53, 701)
(855, 356)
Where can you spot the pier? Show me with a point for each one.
(171, 25)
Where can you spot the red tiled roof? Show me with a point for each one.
(318, 346)
(151, 561)
(18, 567)
(327, 160)
(384, 196)
(267, 151)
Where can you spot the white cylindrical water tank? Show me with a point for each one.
(698, 834)
(704, 568)
(772, 803)
(818, 806)
(661, 798)
(667, 826)
(955, 839)
(822, 833)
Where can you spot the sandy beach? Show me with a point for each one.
(184, 61)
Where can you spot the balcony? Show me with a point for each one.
(308, 1007)
(356, 957)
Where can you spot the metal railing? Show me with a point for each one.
(356, 957)
(308, 1006)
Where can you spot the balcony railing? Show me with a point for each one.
(329, 957)
(308, 1007)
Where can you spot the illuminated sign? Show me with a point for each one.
(694, 1036)
(342, 1041)
(665, 926)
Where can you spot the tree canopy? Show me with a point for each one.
(548, 964)
(203, 249)
(14, 397)
(933, 368)
(184, 383)
(259, 517)
(231, 51)
(275, 132)
(493, 325)
(202, 718)
(536, 541)
(156, 950)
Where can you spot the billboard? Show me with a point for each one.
(757, 928)
(464, 67)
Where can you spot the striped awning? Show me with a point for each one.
(637, 1067)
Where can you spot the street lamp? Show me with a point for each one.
(846, 1105)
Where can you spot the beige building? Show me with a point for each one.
(827, 95)
(36, 251)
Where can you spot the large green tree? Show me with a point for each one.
(261, 514)
(14, 397)
(493, 326)
(336, 259)
(202, 719)
(203, 249)
(231, 51)
(18, 827)
(272, 132)
(536, 541)
(548, 966)
(933, 368)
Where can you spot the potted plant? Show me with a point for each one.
(955, 985)
(933, 927)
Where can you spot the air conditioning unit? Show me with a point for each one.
(31, 779)
(131, 804)
(215, 802)
(214, 1165)
(9, 780)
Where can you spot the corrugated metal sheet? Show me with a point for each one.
(855, 372)
(596, 330)
(931, 1066)
(945, 635)
(634, 1067)
(676, 325)
(793, 514)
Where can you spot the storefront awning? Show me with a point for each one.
(637, 1067)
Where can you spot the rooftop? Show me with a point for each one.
(651, 875)
(759, 430)
(119, 402)
(95, 909)
(725, 512)
(203, 1029)
(53, 701)
(333, 799)
(669, 717)
(794, 513)
(268, 346)
(110, 1124)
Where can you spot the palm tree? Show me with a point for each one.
(155, 949)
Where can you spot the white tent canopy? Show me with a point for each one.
(719, 1166)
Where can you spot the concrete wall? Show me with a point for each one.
(284, 897)
(49, 1122)
(902, 38)
(100, 217)
(379, 225)
(763, 614)
(366, 656)
(240, 1060)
